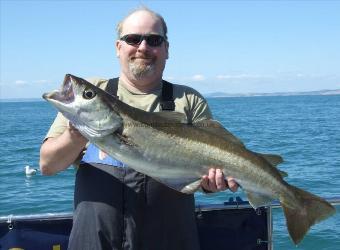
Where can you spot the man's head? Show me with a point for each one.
(142, 47)
(156, 15)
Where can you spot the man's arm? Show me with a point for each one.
(58, 153)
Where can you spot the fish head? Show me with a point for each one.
(87, 107)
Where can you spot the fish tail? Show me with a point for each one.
(307, 210)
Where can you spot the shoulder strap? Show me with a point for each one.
(167, 98)
(112, 86)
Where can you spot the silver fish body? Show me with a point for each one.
(166, 148)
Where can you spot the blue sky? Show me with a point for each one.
(229, 46)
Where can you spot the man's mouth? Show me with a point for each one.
(142, 58)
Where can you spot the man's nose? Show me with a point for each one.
(143, 46)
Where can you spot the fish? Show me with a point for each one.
(176, 152)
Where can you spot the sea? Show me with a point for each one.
(304, 130)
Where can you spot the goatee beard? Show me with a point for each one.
(140, 70)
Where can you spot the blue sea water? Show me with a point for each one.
(305, 130)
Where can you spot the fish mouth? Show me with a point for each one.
(65, 95)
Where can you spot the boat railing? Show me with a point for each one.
(230, 219)
(236, 203)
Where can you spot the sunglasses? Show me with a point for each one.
(152, 40)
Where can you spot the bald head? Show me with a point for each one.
(135, 15)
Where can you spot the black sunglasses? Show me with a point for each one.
(152, 40)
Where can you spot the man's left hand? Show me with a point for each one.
(215, 181)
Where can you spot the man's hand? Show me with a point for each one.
(215, 181)
(73, 130)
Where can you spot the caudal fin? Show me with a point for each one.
(308, 210)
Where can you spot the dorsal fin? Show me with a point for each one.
(271, 158)
(214, 127)
(274, 160)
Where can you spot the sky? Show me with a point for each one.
(215, 46)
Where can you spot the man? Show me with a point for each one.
(116, 207)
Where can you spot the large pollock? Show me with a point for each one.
(165, 147)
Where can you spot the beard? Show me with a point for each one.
(141, 69)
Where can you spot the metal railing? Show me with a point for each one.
(238, 203)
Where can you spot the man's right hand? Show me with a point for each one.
(73, 130)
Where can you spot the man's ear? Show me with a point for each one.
(118, 46)
(167, 49)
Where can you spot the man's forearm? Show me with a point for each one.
(56, 154)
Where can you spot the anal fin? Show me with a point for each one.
(259, 200)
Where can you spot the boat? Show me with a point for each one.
(234, 224)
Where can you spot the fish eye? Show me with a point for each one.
(89, 94)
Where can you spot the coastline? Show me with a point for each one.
(216, 95)
(302, 93)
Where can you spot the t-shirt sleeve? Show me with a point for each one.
(191, 103)
(58, 126)
(198, 108)
(201, 111)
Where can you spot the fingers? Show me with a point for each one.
(232, 184)
(72, 128)
(74, 132)
(204, 183)
(211, 180)
(215, 181)
(220, 180)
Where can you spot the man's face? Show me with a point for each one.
(142, 62)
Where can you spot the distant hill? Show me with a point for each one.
(319, 92)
